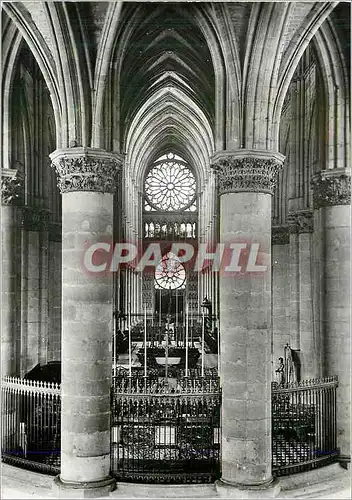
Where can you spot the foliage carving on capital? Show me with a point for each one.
(86, 173)
(280, 235)
(301, 222)
(331, 188)
(11, 187)
(247, 174)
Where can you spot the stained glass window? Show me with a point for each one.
(170, 185)
(170, 273)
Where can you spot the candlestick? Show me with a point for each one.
(203, 328)
(154, 301)
(129, 342)
(166, 354)
(218, 339)
(192, 345)
(145, 340)
(186, 341)
(176, 308)
(159, 307)
(114, 344)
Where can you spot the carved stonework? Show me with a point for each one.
(331, 187)
(86, 169)
(280, 235)
(11, 187)
(257, 174)
(301, 222)
(35, 219)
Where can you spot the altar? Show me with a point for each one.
(170, 355)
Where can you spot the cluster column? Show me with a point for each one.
(87, 181)
(246, 181)
(332, 225)
(280, 239)
(303, 334)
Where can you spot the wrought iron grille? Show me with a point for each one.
(30, 431)
(303, 425)
(170, 431)
(165, 433)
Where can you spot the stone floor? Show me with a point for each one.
(328, 482)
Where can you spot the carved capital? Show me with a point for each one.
(280, 235)
(35, 219)
(331, 187)
(301, 222)
(247, 171)
(11, 187)
(86, 169)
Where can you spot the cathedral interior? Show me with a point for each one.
(144, 146)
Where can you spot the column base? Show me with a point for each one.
(345, 461)
(93, 489)
(235, 490)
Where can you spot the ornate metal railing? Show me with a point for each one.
(30, 431)
(170, 431)
(303, 425)
(165, 433)
(156, 333)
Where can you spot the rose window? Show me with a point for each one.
(170, 185)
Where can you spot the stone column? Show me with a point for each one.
(246, 181)
(281, 300)
(86, 179)
(303, 332)
(11, 189)
(332, 222)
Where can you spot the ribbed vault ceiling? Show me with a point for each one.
(167, 85)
